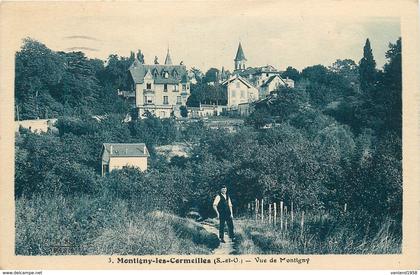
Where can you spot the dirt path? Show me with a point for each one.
(224, 248)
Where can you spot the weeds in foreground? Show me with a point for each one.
(83, 225)
(330, 235)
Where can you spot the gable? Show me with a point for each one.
(162, 74)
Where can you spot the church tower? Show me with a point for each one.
(240, 59)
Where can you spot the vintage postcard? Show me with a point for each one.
(210, 135)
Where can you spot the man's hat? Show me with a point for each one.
(223, 186)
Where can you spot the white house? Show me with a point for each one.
(273, 83)
(160, 89)
(120, 155)
(239, 90)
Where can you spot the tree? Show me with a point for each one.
(212, 75)
(38, 71)
(183, 110)
(140, 57)
(291, 73)
(198, 74)
(367, 68)
(346, 68)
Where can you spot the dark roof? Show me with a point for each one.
(240, 53)
(176, 73)
(126, 149)
(259, 70)
(271, 78)
(243, 80)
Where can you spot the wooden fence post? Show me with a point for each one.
(302, 222)
(281, 215)
(285, 224)
(269, 213)
(345, 207)
(285, 217)
(262, 209)
(256, 209)
(275, 213)
(291, 213)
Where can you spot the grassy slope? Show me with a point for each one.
(320, 236)
(90, 228)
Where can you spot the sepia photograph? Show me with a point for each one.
(206, 129)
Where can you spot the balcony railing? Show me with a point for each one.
(148, 91)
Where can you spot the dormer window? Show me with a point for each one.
(165, 74)
(174, 73)
(155, 73)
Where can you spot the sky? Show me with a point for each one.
(205, 35)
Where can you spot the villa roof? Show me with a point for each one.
(243, 80)
(176, 73)
(124, 150)
(270, 79)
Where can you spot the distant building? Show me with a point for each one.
(120, 155)
(239, 91)
(37, 125)
(160, 89)
(273, 83)
(259, 76)
(206, 110)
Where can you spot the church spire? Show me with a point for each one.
(240, 58)
(168, 60)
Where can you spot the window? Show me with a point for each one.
(233, 93)
(178, 100)
(165, 100)
(148, 99)
(266, 74)
(242, 94)
(165, 87)
(184, 87)
(175, 88)
(238, 84)
(166, 74)
(149, 86)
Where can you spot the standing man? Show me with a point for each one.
(222, 205)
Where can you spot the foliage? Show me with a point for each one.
(367, 68)
(212, 75)
(322, 234)
(291, 73)
(51, 84)
(203, 93)
(184, 111)
(96, 225)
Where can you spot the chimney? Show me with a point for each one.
(111, 150)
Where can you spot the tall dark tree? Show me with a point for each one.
(291, 73)
(367, 68)
(140, 56)
(212, 75)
